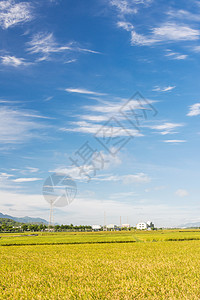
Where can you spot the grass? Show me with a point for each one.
(139, 270)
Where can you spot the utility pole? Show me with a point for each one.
(51, 219)
(104, 225)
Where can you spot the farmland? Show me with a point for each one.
(105, 265)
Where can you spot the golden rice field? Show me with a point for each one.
(150, 267)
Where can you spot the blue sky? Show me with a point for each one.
(66, 70)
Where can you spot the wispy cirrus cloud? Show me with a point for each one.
(106, 116)
(12, 13)
(27, 179)
(175, 141)
(18, 125)
(45, 45)
(13, 61)
(124, 6)
(175, 55)
(127, 7)
(32, 169)
(183, 14)
(108, 107)
(125, 25)
(70, 61)
(92, 128)
(194, 110)
(167, 32)
(163, 89)
(84, 91)
(166, 128)
(126, 179)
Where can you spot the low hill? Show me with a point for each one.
(25, 219)
(9, 222)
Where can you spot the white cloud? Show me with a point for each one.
(126, 7)
(4, 176)
(166, 128)
(103, 161)
(194, 110)
(23, 204)
(13, 61)
(125, 179)
(164, 89)
(110, 130)
(174, 32)
(45, 44)
(175, 141)
(86, 50)
(175, 55)
(32, 170)
(94, 118)
(17, 125)
(137, 178)
(116, 125)
(20, 180)
(112, 108)
(12, 13)
(83, 91)
(181, 56)
(125, 25)
(70, 61)
(168, 32)
(182, 193)
(183, 14)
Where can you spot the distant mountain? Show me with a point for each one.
(25, 219)
(189, 225)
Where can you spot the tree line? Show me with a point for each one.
(8, 225)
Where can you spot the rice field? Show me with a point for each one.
(108, 265)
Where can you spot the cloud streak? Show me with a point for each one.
(166, 128)
(164, 89)
(175, 141)
(127, 7)
(21, 180)
(13, 61)
(45, 45)
(17, 125)
(167, 32)
(194, 110)
(175, 55)
(91, 128)
(83, 91)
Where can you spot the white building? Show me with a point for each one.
(96, 227)
(145, 225)
(126, 225)
(141, 225)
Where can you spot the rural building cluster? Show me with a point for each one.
(112, 227)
